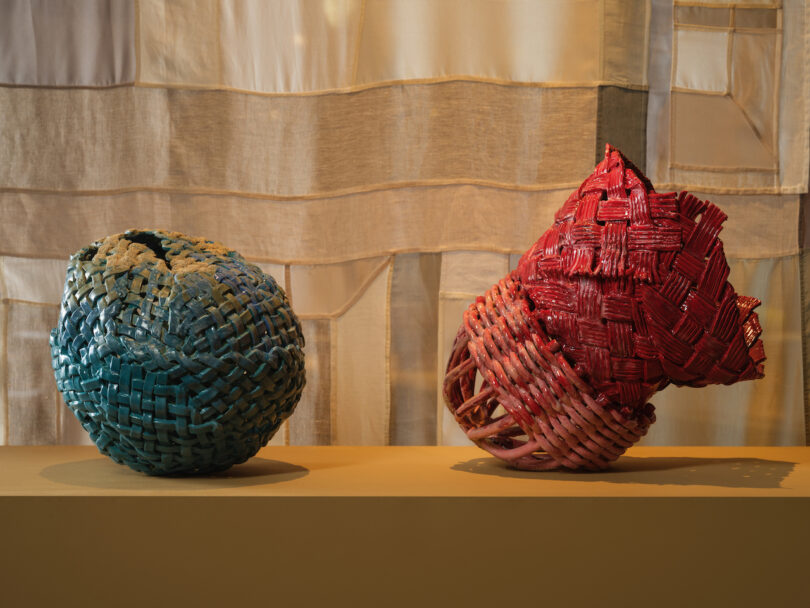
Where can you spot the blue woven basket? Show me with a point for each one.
(176, 355)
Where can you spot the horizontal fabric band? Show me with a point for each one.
(307, 46)
(351, 227)
(226, 141)
(315, 46)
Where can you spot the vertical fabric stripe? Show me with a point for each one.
(658, 76)
(465, 275)
(622, 122)
(625, 37)
(451, 309)
(804, 283)
(3, 355)
(311, 422)
(4, 415)
(361, 397)
(31, 399)
(414, 327)
(179, 41)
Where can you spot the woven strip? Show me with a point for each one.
(176, 355)
(626, 293)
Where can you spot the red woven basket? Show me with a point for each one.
(627, 292)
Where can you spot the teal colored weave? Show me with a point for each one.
(175, 354)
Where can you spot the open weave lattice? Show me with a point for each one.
(627, 292)
(174, 353)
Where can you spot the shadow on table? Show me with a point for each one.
(105, 474)
(679, 471)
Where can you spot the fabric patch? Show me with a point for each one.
(326, 290)
(414, 348)
(700, 64)
(81, 43)
(33, 403)
(698, 122)
(179, 42)
(360, 390)
(311, 422)
(465, 275)
(622, 122)
(4, 418)
(552, 41)
(753, 84)
(451, 311)
(624, 45)
(114, 138)
(33, 279)
(741, 57)
(756, 17)
(804, 328)
(469, 273)
(289, 46)
(718, 16)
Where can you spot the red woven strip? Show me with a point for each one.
(665, 241)
(625, 293)
(551, 421)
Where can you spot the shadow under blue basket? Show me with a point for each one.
(174, 353)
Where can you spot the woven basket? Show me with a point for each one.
(626, 293)
(176, 355)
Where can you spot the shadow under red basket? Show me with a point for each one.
(626, 293)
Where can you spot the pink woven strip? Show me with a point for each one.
(528, 411)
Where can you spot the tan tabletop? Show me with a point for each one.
(417, 471)
(410, 526)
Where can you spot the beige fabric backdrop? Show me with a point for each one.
(387, 161)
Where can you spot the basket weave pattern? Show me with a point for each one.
(175, 354)
(627, 292)
(531, 399)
